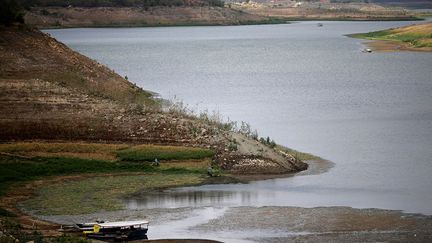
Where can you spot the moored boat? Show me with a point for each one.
(121, 230)
(88, 226)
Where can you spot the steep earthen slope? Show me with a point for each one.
(48, 91)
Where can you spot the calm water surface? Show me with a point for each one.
(307, 87)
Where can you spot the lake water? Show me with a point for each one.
(309, 88)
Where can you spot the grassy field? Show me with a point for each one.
(79, 178)
(24, 162)
(101, 193)
(150, 152)
(104, 172)
(417, 36)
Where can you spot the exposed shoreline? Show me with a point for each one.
(336, 224)
(393, 46)
(417, 37)
(13, 200)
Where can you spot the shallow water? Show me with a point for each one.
(307, 87)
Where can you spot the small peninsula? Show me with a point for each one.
(409, 38)
(65, 117)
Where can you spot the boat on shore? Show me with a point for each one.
(118, 231)
(87, 226)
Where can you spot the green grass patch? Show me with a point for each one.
(89, 195)
(14, 169)
(150, 153)
(188, 166)
(415, 36)
(101, 193)
(387, 35)
(372, 35)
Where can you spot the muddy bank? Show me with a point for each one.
(272, 223)
(13, 200)
(277, 224)
(340, 224)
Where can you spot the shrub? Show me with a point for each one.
(232, 146)
(268, 142)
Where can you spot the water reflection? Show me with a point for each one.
(189, 198)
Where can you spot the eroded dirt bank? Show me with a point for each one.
(49, 91)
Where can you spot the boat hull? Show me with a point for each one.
(119, 236)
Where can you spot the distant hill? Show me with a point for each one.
(413, 4)
(133, 13)
(120, 3)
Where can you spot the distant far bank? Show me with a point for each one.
(230, 14)
(72, 17)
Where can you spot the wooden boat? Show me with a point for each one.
(88, 226)
(79, 227)
(119, 231)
